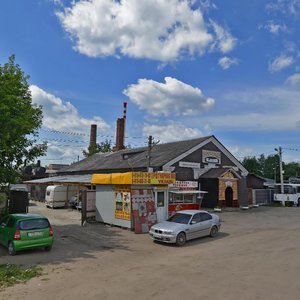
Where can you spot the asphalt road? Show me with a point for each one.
(255, 256)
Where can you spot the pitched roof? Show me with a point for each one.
(133, 158)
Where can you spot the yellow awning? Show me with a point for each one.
(156, 178)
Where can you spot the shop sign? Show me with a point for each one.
(185, 184)
(122, 205)
(212, 157)
(187, 164)
(153, 178)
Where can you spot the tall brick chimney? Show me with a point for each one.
(93, 135)
(120, 132)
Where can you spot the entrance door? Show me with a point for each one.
(229, 196)
(161, 205)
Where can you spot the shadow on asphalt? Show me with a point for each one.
(198, 241)
(70, 243)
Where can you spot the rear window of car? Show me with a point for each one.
(33, 224)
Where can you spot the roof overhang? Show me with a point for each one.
(189, 192)
(63, 180)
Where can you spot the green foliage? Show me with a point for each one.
(268, 167)
(252, 165)
(102, 147)
(12, 274)
(19, 122)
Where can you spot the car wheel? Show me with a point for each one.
(181, 239)
(11, 249)
(214, 231)
(298, 202)
(48, 248)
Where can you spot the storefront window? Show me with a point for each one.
(189, 198)
(181, 198)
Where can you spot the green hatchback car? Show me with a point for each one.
(25, 231)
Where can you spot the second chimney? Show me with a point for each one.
(93, 135)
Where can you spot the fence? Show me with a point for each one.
(262, 196)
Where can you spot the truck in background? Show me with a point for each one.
(290, 196)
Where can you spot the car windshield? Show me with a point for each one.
(34, 224)
(180, 218)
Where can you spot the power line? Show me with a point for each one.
(291, 149)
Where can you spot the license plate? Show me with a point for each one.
(35, 234)
(157, 237)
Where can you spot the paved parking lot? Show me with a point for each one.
(255, 256)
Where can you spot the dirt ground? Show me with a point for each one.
(255, 256)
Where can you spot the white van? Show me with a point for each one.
(59, 195)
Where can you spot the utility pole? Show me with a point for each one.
(280, 166)
(150, 145)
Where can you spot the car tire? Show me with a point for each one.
(214, 231)
(48, 248)
(180, 239)
(11, 249)
(298, 204)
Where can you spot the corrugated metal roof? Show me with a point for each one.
(133, 158)
(66, 179)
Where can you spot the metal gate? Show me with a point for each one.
(262, 196)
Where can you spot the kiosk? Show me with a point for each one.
(134, 200)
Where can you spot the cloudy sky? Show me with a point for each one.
(187, 68)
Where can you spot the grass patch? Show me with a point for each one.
(12, 274)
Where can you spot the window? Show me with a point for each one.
(205, 217)
(160, 199)
(180, 218)
(188, 198)
(34, 224)
(181, 198)
(11, 222)
(196, 218)
(4, 220)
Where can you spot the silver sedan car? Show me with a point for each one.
(186, 225)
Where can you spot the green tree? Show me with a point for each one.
(271, 167)
(103, 147)
(251, 164)
(291, 169)
(19, 122)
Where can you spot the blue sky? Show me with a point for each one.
(186, 68)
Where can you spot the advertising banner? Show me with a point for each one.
(122, 205)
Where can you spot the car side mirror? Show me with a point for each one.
(193, 222)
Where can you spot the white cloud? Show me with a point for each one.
(161, 30)
(63, 116)
(207, 5)
(284, 6)
(173, 131)
(224, 41)
(294, 79)
(226, 62)
(273, 109)
(171, 97)
(275, 28)
(281, 62)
